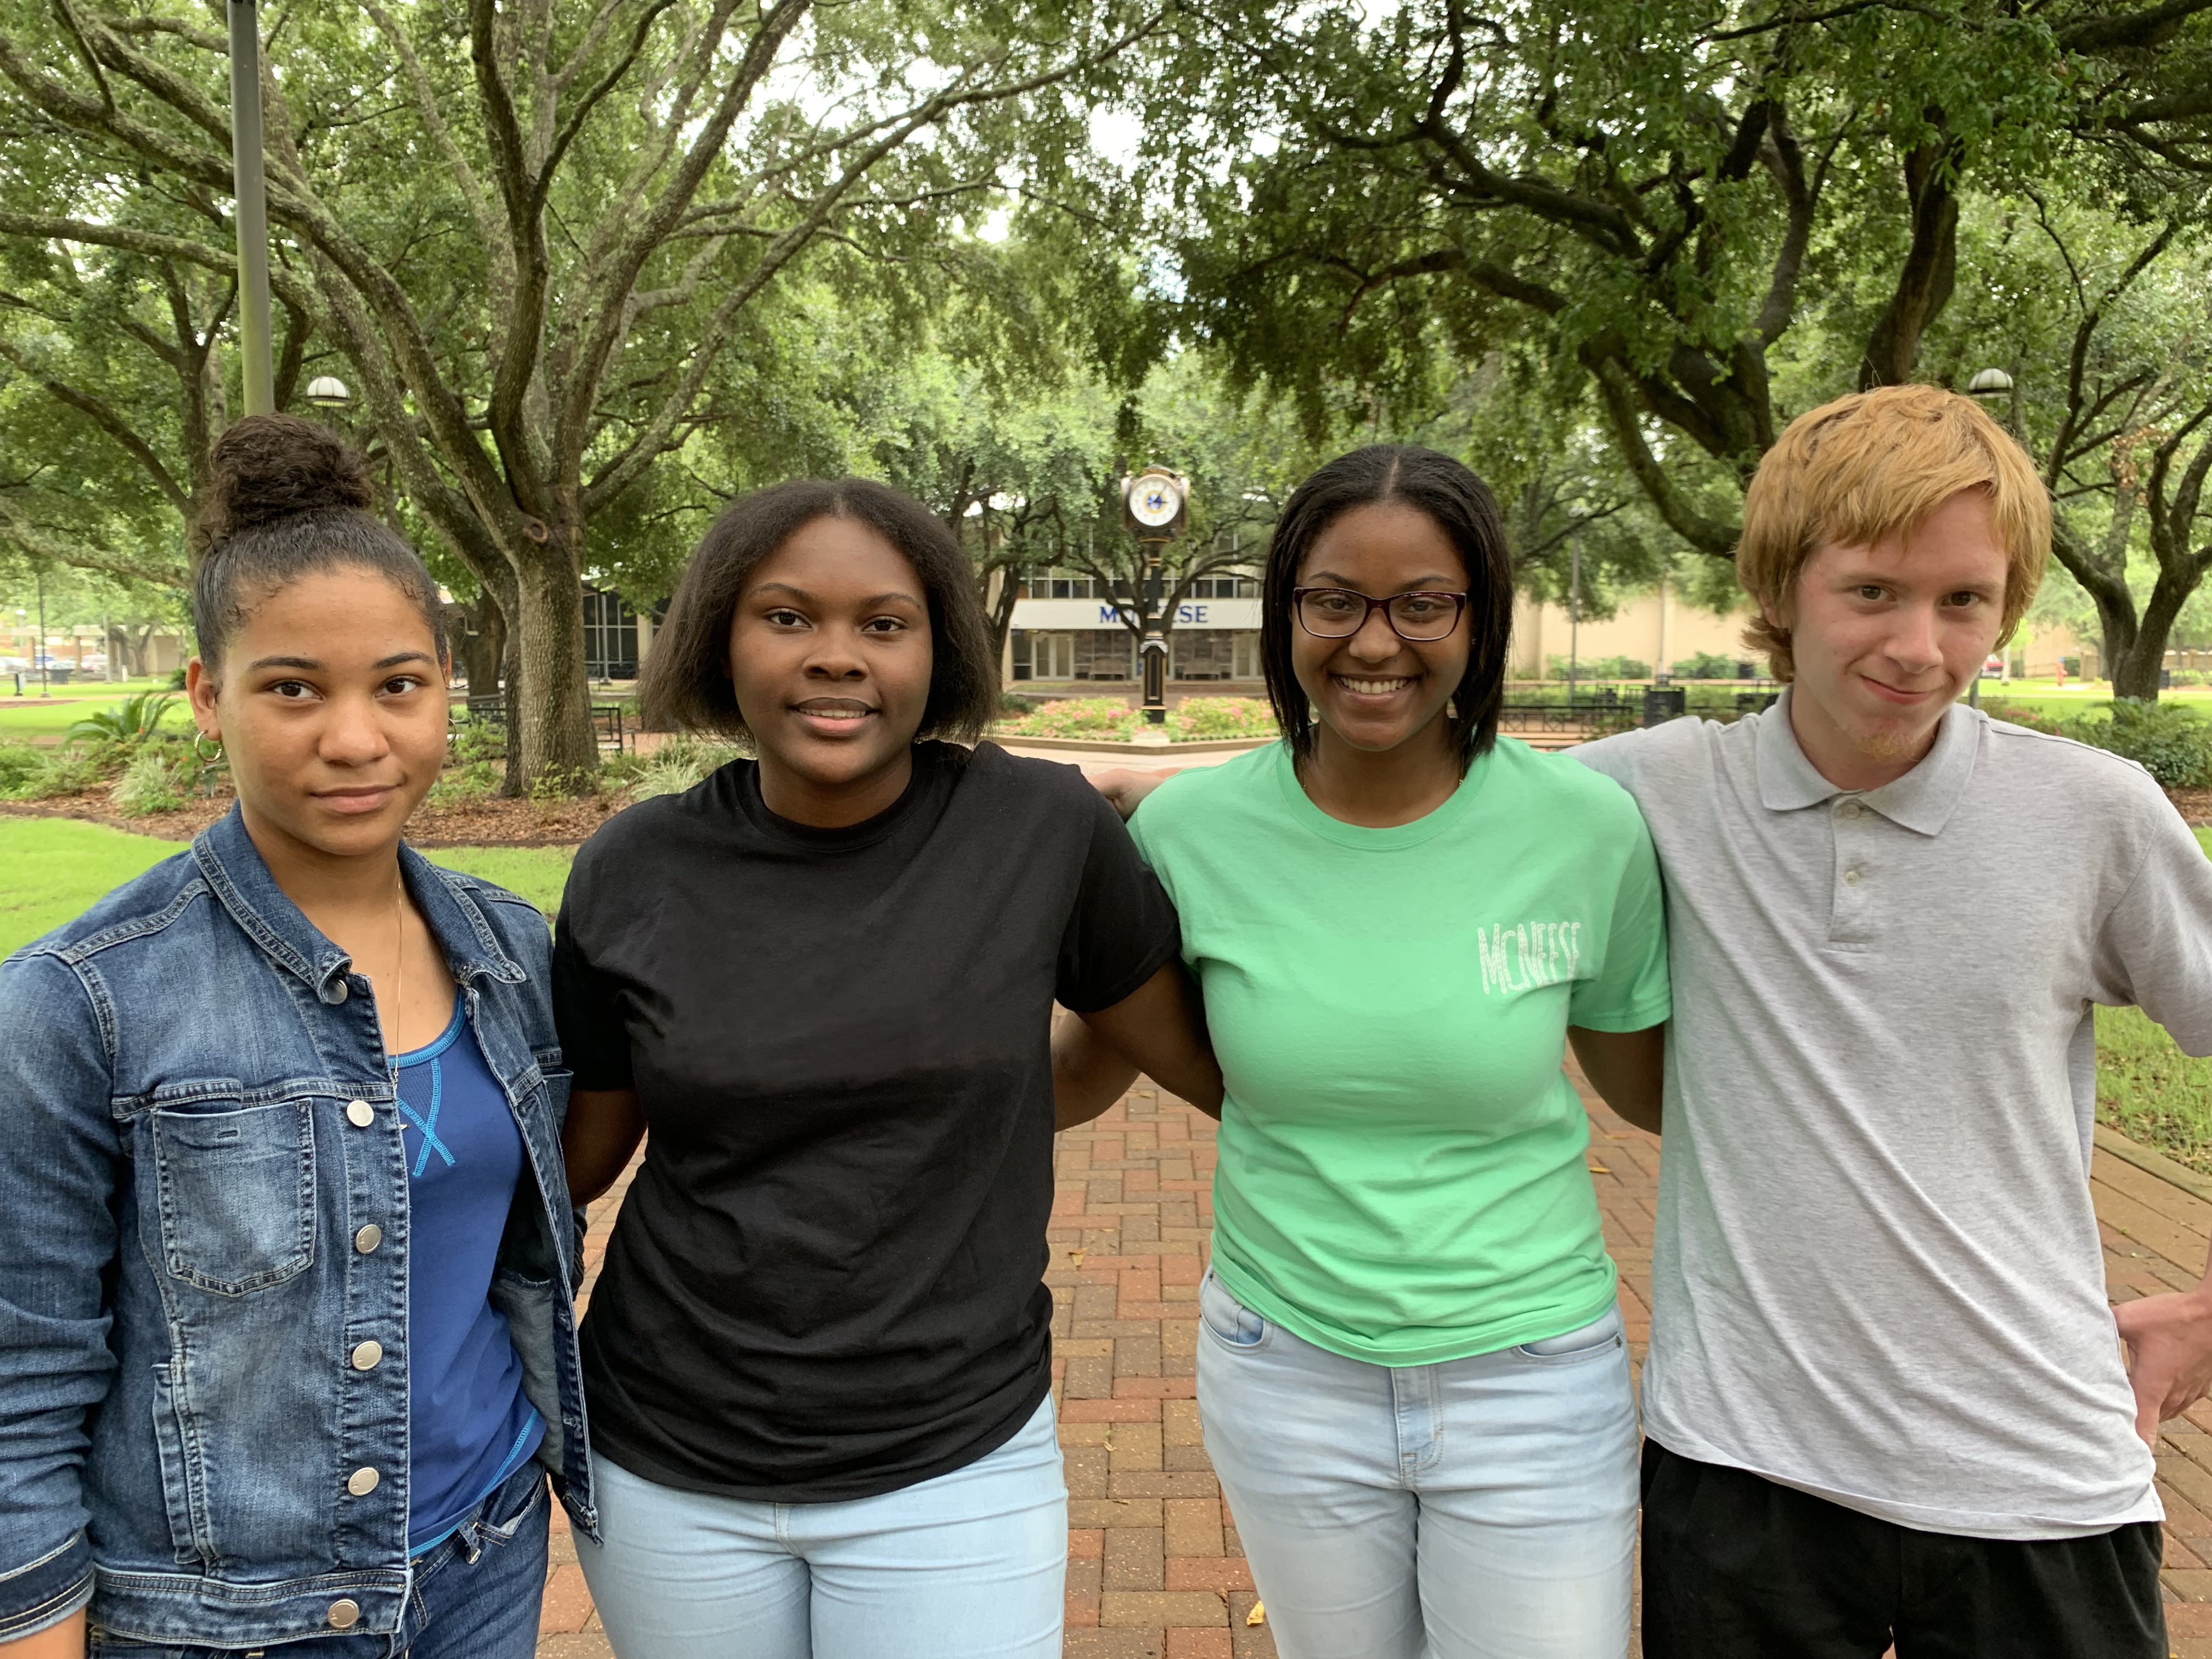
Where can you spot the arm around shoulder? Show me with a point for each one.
(603, 1128)
(1627, 1069)
(1159, 1028)
(606, 1119)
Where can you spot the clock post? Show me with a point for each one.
(1155, 509)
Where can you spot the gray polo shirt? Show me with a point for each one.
(1875, 1271)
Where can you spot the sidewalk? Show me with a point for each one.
(1154, 1569)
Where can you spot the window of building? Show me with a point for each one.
(1043, 656)
(1062, 585)
(1105, 654)
(1204, 653)
(1225, 587)
(609, 637)
(1244, 658)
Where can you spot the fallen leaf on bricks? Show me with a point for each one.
(1258, 1615)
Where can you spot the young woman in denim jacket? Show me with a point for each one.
(287, 1251)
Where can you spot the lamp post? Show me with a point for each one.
(1574, 617)
(250, 187)
(1987, 386)
(45, 679)
(1155, 506)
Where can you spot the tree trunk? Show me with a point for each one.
(1001, 612)
(1929, 273)
(2116, 623)
(550, 692)
(136, 639)
(485, 649)
(2135, 674)
(510, 675)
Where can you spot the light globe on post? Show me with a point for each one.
(1989, 385)
(328, 392)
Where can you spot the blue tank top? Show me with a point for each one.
(470, 1424)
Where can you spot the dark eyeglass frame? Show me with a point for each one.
(1374, 605)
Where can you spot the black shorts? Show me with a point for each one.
(1737, 1567)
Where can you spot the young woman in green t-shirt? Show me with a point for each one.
(1412, 1376)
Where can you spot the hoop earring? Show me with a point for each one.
(207, 751)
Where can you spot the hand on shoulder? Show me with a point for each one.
(1127, 788)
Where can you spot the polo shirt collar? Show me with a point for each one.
(1922, 800)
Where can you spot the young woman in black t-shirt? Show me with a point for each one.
(818, 1357)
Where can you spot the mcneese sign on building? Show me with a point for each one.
(1059, 637)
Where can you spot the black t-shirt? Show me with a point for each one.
(827, 1281)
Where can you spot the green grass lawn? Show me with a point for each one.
(2082, 690)
(2149, 1091)
(37, 718)
(52, 869)
(2066, 705)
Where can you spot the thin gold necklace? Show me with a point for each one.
(399, 947)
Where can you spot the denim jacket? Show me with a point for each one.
(203, 1209)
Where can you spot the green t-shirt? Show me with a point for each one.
(1401, 1175)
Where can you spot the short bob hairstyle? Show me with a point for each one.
(1873, 464)
(1462, 507)
(685, 684)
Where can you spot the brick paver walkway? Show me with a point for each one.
(1154, 1569)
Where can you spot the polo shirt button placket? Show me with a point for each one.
(1849, 830)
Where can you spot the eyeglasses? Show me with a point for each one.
(1338, 613)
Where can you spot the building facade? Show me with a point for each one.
(1068, 631)
(1658, 629)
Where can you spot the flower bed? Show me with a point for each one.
(1112, 721)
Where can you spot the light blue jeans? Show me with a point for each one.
(971, 1564)
(1477, 1509)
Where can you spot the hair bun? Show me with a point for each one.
(271, 467)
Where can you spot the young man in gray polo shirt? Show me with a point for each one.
(1886, 1399)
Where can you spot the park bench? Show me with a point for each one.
(612, 722)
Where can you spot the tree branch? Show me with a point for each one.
(1615, 394)
(2147, 27)
(43, 545)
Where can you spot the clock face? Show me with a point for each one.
(1154, 500)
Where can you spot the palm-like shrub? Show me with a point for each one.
(131, 722)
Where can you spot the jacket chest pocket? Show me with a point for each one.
(238, 1195)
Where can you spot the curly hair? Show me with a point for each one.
(291, 498)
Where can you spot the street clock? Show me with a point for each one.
(1155, 500)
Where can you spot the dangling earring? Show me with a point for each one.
(1451, 708)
